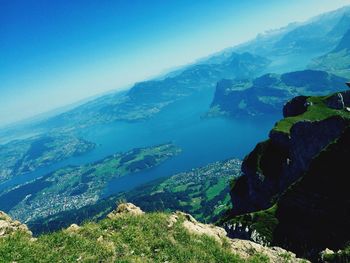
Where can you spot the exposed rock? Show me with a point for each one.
(336, 101)
(245, 232)
(348, 84)
(73, 228)
(295, 106)
(246, 249)
(125, 208)
(195, 227)
(9, 226)
(243, 248)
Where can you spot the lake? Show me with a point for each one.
(202, 140)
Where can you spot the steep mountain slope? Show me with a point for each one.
(130, 235)
(338, 60)
(294, 188)
(267, 94)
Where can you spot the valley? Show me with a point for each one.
(203, 192)
(75, 187)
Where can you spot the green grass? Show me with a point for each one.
(316, 112)
(213, 190)
(145, 238)
(180, 188)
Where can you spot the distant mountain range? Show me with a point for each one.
(292, 47)
(279, 51)
(284, 50)
(268, 93)
(328, 34)
(147, 98)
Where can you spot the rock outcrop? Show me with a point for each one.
(9, 226)
(125, 208)
(195, 227)
(244, 248)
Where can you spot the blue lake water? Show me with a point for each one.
(202, 141)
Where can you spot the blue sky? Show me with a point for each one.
(53, 53)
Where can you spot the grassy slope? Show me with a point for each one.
(146, 238)
(316, 112)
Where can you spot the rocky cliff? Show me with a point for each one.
(294, 188)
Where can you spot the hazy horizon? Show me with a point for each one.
(58, 54)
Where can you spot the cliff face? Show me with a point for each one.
(314, 213)
(276, 163)
(301, 170)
